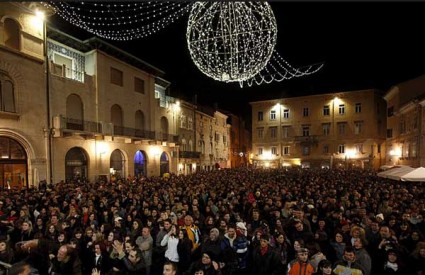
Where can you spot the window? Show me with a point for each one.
(305, 111)
(306, 150)
(260, 132)
(286, 113)
(341, 128)
(341, 109)
(285, 131)
(224, 139)
(326, 129)
(341, 149)
(358, 108)
(286, 150)
(273, 115)
(274, 150)
(389, 133)
(379, 148)
(390, 111)
(12, 36)
(358, 125)
(326, 110)
(306, 131)
(325, 149)
(139, 85)
(405, 150)
(273, 132)
(415, 122)
(7, 94)
(183, 121)
(260, 151)
(260, 116)
(217, 137)
(359, 148)
(116, 77)
(414, 149)
(189, 123)
(402, 126)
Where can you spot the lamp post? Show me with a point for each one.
(42, 16)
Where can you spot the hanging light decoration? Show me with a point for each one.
(231, 41)
(228, 41)
(121, 21)
(278, 69)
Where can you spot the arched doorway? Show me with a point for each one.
(164, 166)
(13, 164)
(75, 164)
(117, 164)
(140, 164)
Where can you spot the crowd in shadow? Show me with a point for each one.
(231, 221)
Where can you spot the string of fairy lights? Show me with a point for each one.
(121, 21)
(230, 41)
(278, 69)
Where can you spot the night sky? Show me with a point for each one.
(363, 45)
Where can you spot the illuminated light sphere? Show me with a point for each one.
(231, 41)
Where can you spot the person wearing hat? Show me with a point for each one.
(301, 265)
(265, 261)
(393, 264)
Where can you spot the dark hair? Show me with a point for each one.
(325, 263)
(18, 268)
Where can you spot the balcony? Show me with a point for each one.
(67, 125)
(132, 132)
(306, 140)
(189, 155)
(66, 72)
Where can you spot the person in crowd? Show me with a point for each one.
(6, 254)
(132, 262)
(348, 264)
(282, 247)
(393, 264)
(234, 251)
(206, 264)
(325, 268)
(301, 265)
(265, 261)
(170, 268)
(192, 231)
(213, 243)
(145, 244)
(362, 256)
(171, 241)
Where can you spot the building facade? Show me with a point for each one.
(345, 129)
(240, 142)
(86, 109)
(405, 123)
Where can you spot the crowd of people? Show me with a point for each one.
(222, 222)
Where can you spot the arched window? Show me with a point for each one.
(12, 37)
(7, 94)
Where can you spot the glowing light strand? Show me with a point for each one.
(127, 21)
(107, 20)
(278, 70)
